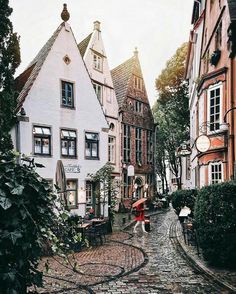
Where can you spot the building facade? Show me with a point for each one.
(60, 117)
(212, 117)
(95, 58)
(137, 126)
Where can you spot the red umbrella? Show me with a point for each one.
(140, 201)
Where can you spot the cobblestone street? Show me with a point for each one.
(131, 264)
(165, 272)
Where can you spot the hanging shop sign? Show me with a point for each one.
(183, 150)
(203, 143)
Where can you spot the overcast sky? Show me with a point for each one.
(156, 27)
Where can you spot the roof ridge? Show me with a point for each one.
(36, 65)
(84, 44)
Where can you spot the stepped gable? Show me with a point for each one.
(26, 79)
(84, 44)
(121, 76)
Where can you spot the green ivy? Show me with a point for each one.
(30, 217)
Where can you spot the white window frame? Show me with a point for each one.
(72, 191)
(211, 181)
(98, 93)
(112, 150)
(212, 88)
(97, 62)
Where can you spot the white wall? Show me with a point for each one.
(42, 106)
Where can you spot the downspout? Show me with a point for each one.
(232, 118)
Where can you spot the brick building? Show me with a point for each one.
(215, 86)
(137, 126)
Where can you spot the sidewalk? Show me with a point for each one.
(225, 278)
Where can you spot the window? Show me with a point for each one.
(127, 143)
(218, 36)
(127, 186)
(98, 91)
(149, 147)
(138, 83)
(91, 145)
(68, 143)
(67, 94)
(214, 114)
(216, 173)
(138, 106)
(97, 62)
(72, 193)
(138, 145)
(42, 140)
(111, 149)
(89, 193)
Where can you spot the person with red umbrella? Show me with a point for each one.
(139, 216)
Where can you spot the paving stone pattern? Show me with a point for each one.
(129, 264)
(166, 271)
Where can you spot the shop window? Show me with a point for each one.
(72, 193)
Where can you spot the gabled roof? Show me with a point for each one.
(232, 9)
(121, 76)
(84, 44)
(26, 79)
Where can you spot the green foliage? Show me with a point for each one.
(183, 198)
(30, 217)
(9, 61)
(108, 188)
(215, 220)
(171, 113)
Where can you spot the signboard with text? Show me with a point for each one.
(72, 168)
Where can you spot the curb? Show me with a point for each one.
(202, 268)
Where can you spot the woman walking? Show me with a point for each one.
(140, 218)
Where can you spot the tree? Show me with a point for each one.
(171, 112)
(107, 189)
(9, 61)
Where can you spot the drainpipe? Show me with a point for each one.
(232, 117)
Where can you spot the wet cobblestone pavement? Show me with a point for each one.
(120, 267)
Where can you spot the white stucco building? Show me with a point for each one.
(63, 118)
(193, 77)
(95, 58)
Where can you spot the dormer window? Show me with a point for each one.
(138, 83)
(97, 62)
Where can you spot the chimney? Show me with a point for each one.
(97, 25)
(136, 52)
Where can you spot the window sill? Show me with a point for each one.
(92, 158)
(68, 107)
(68, 157)
(42, 155)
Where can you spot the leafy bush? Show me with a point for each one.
(182, 198)
(215, 220)
(27, 216)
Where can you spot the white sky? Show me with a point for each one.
(156, 27)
